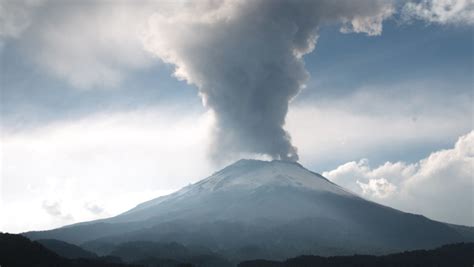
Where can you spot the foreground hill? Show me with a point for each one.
(16, 251)
(19, 251)
(460, 255)
(258, 209)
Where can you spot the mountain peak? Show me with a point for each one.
(251, 174)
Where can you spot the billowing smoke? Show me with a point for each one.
(244, 56)
(246, 59)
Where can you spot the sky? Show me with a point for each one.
(104, 106)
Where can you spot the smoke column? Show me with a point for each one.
(246, 59)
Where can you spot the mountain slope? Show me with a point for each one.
(258, 209)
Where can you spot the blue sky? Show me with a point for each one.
(407, 61)
(396, 97)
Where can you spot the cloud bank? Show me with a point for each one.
(439, 186)
(98, 166)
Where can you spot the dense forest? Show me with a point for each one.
(19, 251)
(459, 255)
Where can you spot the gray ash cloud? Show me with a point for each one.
(246, 59)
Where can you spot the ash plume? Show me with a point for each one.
(246, 59)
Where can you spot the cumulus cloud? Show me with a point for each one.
(54, 209)
(459, 12)
(377, 187)
(440, 186)
(371, 25)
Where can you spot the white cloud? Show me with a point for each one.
(99, 166)
(440, 11)
(440, 186)
(372, 25)
(374, 120)
(380, 188)
(90, 44)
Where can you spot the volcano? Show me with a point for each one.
(264, 209)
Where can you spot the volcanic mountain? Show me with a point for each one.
(264, 209)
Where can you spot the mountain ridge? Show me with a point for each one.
(278, 208)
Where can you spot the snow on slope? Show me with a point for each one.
(250, 175)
